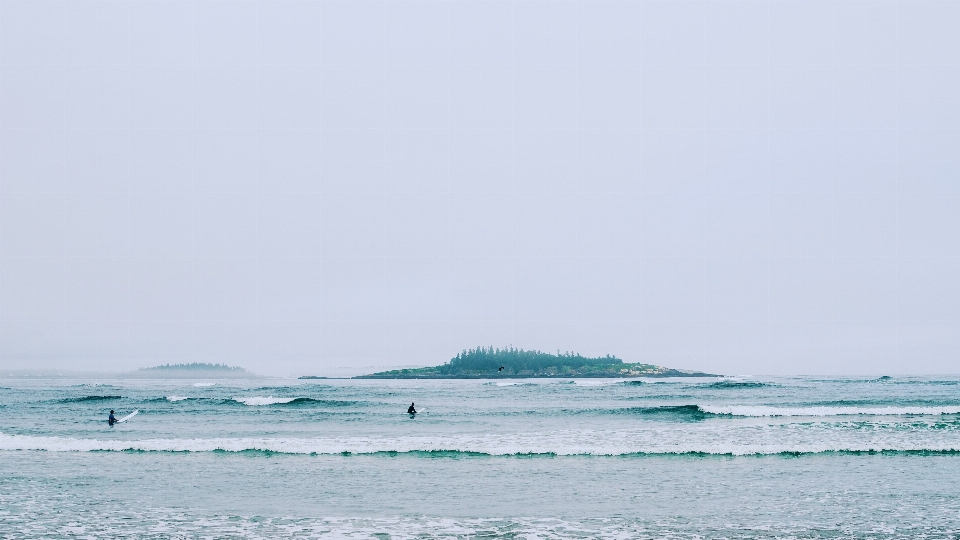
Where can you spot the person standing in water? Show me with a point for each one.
(112, 420)
(411, 409)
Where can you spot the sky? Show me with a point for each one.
(329, 187)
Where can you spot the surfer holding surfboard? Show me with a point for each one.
(113, 420)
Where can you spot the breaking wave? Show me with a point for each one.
(946, 382)
(699, 412)
(673, 412)
(736, 385)
(259, 401)
(761, 411)
(88, 398)
(594, 382)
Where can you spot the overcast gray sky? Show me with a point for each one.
(739, 187)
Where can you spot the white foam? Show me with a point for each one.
(260, 400)
(584, 382)
(176, 523)
(761, 411)
(746, 438)
(204, 384)
(176, 398)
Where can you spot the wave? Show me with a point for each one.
(561, 444)
(874, 403)
(762, 411)
(323, 402)
(586, 382)
(922, 381)
(259, 401)
(674, 412)
(88, 398)
(723, 385)
(551, 381)
(177, 399)
(700, 412)
(946, 382)
(204, 384)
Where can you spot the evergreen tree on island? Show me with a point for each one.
(510, 362)
(190, 371)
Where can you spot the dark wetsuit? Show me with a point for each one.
(112, 420)
(411, 410)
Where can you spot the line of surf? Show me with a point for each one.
(700, 412)
(85, 399)
(583, 444)
(770, 411)
(260, 401)
(735, 385)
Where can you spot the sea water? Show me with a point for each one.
(543, 458)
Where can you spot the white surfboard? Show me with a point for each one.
(129, 416)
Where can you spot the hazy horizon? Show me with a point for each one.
(297, 187)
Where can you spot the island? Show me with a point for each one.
(195, 370)
(511, 363)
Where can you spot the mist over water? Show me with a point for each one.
(746, 457)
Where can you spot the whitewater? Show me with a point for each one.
(745, 457)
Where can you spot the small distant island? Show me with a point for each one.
(195, 370)
(511, 363)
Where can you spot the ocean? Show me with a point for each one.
(747, 457)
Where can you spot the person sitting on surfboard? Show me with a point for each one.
(411, 409)
(112, 420)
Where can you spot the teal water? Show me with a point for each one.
(682, 458)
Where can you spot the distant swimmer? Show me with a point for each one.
(112, 420)
(411, 409)
(501, 369)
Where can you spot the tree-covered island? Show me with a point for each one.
(195, 370)
(490, 363)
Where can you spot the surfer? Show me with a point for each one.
(112, 420)
(411, 409)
